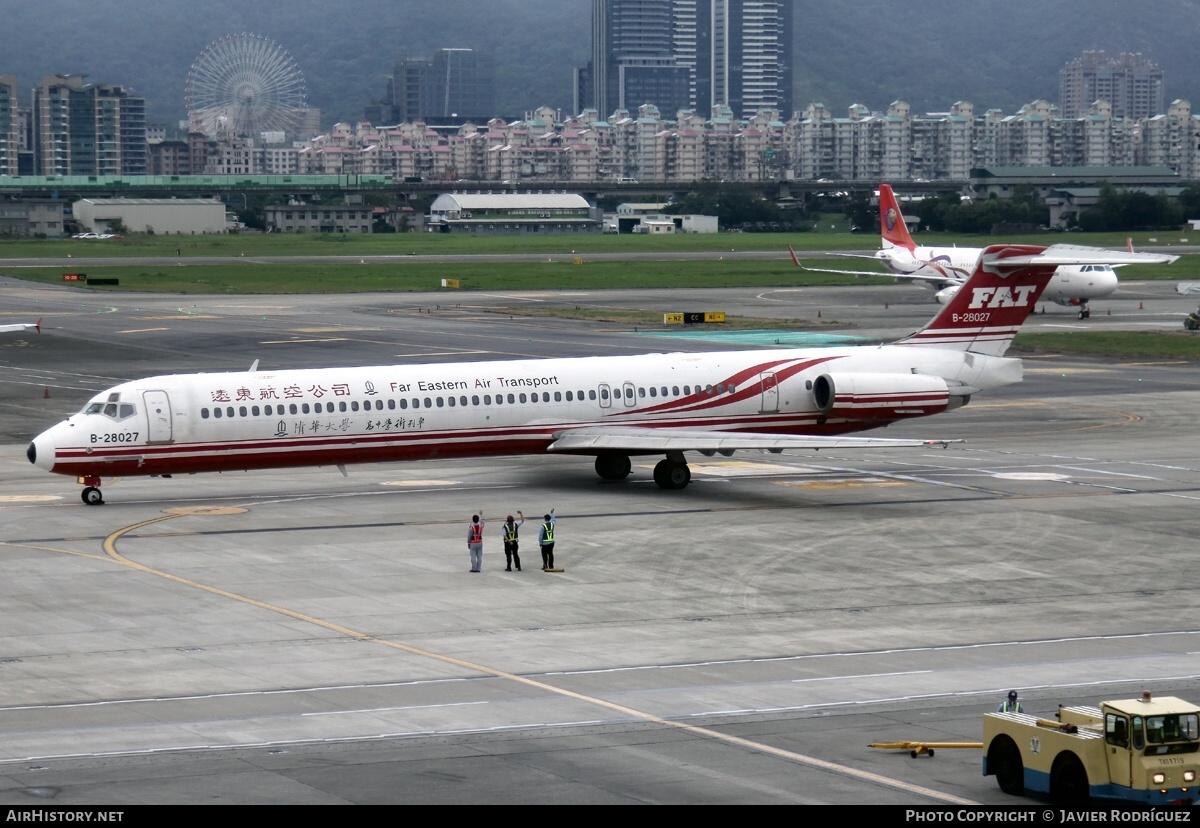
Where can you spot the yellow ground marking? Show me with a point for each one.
(298, 341)
(835, 485)
(28, 498)
(436, 353)
(180, 511)
(420, 483)
(1120, 417)
(110, 548)
(177, 317)
(1151, 364)
(143, 330)
(71, 552)
(736, 468)
(1068, 370)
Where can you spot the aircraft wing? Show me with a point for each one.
(872, 256)
(22, 327)
(938, 283)
(845, 272)
(628, 439)
(1075, 254)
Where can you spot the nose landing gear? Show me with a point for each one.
(91, 494)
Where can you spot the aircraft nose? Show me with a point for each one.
(41, 452)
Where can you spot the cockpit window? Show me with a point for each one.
(115, 411)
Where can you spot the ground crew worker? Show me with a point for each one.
(509, 530)
(546, 542)
(475, 541)
(1012, 705)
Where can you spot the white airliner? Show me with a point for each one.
(611, 408)
(23, 326)
(945, 269)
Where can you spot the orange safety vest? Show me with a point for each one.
(476, 533)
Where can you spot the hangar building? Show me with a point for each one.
(513, 213)
(163, 216)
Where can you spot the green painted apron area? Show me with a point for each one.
(787, 339)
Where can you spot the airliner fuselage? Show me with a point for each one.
(217, 422)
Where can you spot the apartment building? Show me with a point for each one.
(1130, 83)
(10, 139)
(87, 128)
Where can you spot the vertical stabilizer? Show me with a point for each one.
(985, 313)
(891, 221)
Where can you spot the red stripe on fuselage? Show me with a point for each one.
(366, 448)
(701, 401)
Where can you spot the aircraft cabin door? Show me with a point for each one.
(605, 395)
(630, 395)
(158, 416)
(770, 392)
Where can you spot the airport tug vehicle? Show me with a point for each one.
(1144, 750)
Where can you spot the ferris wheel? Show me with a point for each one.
(242, 86)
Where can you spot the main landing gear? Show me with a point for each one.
(671, 473)
(91, 494)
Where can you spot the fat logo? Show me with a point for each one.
(1001, 297)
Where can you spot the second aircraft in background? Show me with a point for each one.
(945, 269)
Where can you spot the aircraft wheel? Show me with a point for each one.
(613, 466)
(92, 496)
(669, 474)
